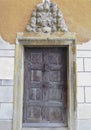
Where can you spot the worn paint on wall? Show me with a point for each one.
(14, 15)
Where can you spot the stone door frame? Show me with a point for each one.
(35, 41)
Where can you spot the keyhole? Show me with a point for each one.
(43, 68)
(44, 86)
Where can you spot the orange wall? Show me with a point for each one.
(14, 15)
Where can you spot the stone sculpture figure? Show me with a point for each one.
(46, 18)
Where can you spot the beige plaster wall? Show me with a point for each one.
(14, 15)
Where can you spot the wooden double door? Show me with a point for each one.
(45, 87)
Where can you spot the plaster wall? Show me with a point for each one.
(15, 14)
(83, 85)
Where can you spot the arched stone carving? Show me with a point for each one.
(46, 18)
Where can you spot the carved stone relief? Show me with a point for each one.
(46, 18)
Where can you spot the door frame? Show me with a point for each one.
(30, 41)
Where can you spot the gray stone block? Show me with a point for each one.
(84, 124)
(5, 125)
(6, 111)
(7, 82)
(7, 68)
(5, 45)
(6, 94)
(6, 53)
(85, 46)
(0, 82)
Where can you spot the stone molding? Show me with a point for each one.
(39, 41)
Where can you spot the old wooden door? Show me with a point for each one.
(45, 87)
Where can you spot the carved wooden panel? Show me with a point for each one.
(45, 85)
